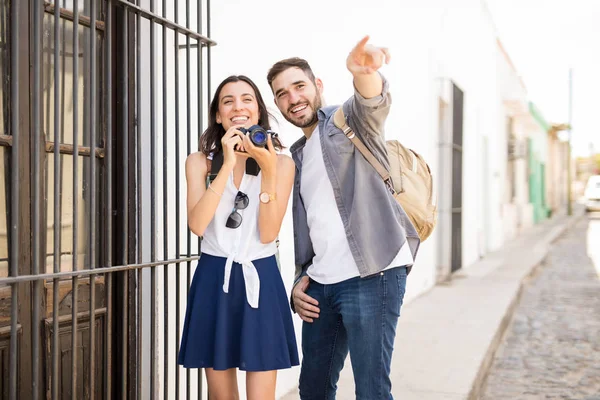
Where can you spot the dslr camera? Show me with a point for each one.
(257, 134)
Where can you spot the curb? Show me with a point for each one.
(486, 364)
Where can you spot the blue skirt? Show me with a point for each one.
(222, 331)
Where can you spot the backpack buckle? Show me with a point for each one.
(348, 132)
(390, 186)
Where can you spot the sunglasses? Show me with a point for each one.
(235, 218)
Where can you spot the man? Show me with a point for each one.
(353, 242)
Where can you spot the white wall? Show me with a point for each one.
(513, 103)
(428, 41)
(465, 53)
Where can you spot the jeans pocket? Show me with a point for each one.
(401, 282)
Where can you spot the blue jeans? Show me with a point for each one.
(359, 316)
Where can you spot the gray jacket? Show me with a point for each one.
(376, 226)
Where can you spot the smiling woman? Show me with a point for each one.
(222, 114)
(237, 314)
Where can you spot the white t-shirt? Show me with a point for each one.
(333, 261)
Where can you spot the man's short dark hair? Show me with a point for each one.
(294, 62)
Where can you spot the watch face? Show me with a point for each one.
(264, 197)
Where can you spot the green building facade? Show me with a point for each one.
(537, 159)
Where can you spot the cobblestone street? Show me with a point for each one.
(552, 347)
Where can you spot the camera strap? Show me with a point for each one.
(214, 166)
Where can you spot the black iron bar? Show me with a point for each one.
(92, 180)
(47, 54)
(57, 202)
(14, 193)
(36, 109)
(63, 86)
(177, 232)
(85, 273)
(139, 192)
(165, 206)
(139, 189)
(81, 315)
(75, 282)
(70, 15)
(208, 55)
(200, 127)
(188, 148)
(82, 151)
(109, 200)
(153, 322)
(125, 132)
(5, 54)
(165, 22)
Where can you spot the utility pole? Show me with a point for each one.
(569, 205)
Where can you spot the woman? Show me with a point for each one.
(238, 314)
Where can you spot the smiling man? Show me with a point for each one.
(353, 242)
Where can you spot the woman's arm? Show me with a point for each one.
(202, 202)
(278, 181)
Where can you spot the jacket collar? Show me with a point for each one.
(323, 115)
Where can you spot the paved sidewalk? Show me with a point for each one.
(446, 338)
(552, 348)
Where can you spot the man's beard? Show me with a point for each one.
(315, 106)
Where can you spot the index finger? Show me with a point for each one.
(307, 308)
(247, 142)
(360, 46)
(306, 298)
(237, 132)
(232, 131)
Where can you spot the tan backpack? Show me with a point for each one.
(409, 178)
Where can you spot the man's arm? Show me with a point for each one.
(368, 85)
(368, 109)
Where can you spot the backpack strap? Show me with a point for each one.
(339, 119)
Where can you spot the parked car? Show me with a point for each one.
(592, 194)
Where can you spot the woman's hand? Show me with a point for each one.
(231, 142)
(266, 158)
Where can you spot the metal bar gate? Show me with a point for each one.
(101, 102)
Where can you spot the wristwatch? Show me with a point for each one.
(267, 197)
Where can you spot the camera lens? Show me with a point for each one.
(258, 136)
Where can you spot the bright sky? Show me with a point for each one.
(544, 38)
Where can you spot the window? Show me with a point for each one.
(72, 90)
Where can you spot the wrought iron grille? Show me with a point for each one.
(101, 101)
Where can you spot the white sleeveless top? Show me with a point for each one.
(242, 244)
